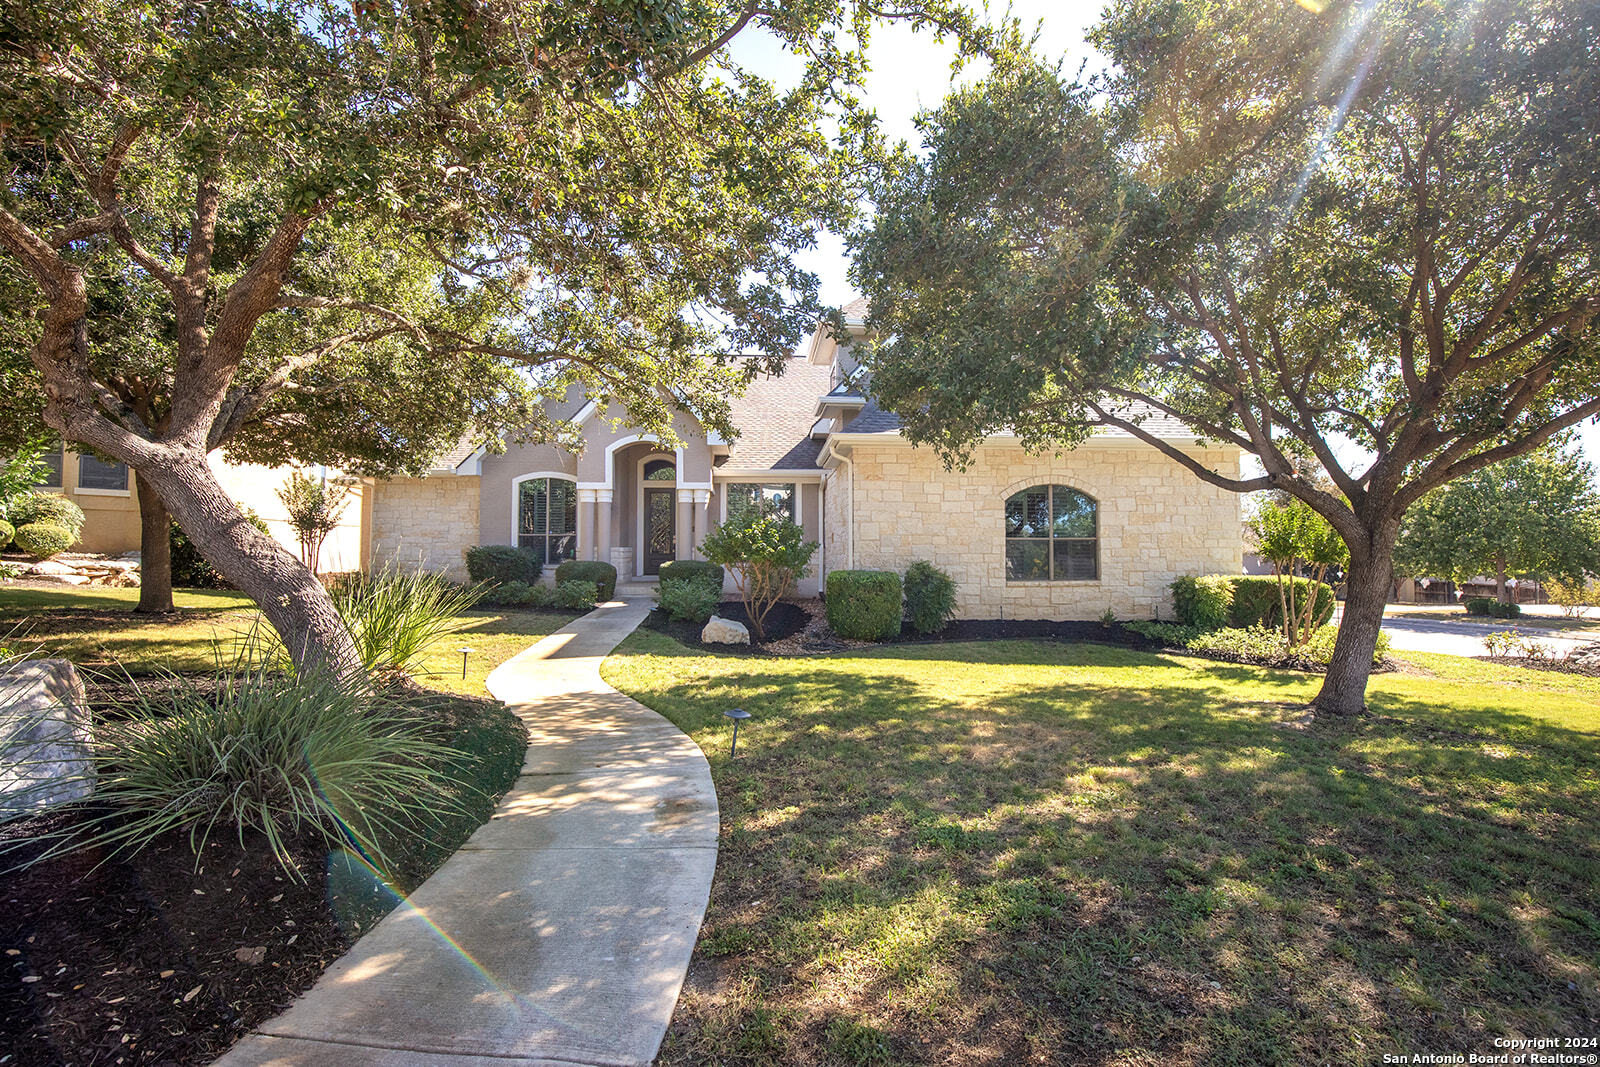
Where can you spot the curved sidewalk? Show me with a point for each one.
(561, 931)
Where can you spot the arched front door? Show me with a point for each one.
(658, 503)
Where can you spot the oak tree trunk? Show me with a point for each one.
(291, 598)
(1501, 592)
(155, 550)
(1344, 688)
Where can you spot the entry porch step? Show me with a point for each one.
(638, 586)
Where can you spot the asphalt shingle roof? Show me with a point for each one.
(774, 418)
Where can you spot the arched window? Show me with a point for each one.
(1052, 535)
(547, 518)
(660, 470)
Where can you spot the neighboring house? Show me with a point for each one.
(108, 495)
(1107, 525)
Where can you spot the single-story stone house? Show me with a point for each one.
(1107, 525)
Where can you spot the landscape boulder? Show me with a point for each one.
(86, 568)
(45, 734)
(720, 631)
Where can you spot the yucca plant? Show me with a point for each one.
(289, 756)
(395, 615)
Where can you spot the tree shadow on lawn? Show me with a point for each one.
(1064, 870)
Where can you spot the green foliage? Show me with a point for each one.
(190, 569)
(701, 570)
(1489, 607)
(1256, 600)
(41, 540)
(1305, 231)
(1205, 602)
(314, 507)
(766, 553)
(930, 597)
(46, 507)
(7, 532)
(1535, 516)
(1268, 646)
(513, 594)
(396, 615)
(864, 605)
(503, 563)
(1574, 597)
(603, 575)
(1169, 634)
(19, 473)
(576, 594)
(689, 600)
(286, 755)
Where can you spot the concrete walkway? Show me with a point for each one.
(561, 931)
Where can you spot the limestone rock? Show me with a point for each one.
(45, 735)
(720, 631)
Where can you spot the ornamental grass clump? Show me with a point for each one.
(395, 615)
(291, 756)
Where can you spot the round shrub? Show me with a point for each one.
(930, 597)
(577, 594)
(1204, 602)
(510, 594)
(1478, 605)
(864, 605)
(503, 563)
(41, 540)
(7, 532)
(603, 575)
(692, 600)
(693, 570)
(51, 509)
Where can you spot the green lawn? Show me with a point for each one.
(97, 629)
(1024, 852)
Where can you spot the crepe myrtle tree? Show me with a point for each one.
(356, 216)
(1370, 230)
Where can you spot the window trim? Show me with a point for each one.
(516, 506)
(80, 489)
(1050, 539)
(797, 487)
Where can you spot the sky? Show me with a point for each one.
(911, 71)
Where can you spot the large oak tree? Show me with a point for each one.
(368, 226)
(1364, 230)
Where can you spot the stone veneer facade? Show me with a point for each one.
(1156, 522)
(429, 522)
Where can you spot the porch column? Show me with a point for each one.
(685, 529)
(702, 519)
(586, 524)
(602, 525)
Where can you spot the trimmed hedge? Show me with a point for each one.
(1490, 607)
(864, 605)
(1241, 601)
(7, 532)
(1255, 601)
(503, 563)
(930, 597)
(41, 540)
(1204, 602)
(603, 575)
(693, 570)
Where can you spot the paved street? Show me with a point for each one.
(1457, 636)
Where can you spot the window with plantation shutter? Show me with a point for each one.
(1052, 535)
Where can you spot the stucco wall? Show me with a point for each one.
(1157, 521)
(495, 519)
(426, 521)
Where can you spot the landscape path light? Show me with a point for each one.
(737, 715)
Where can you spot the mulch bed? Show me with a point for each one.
(145, 960)
(786, 619)
(160, 958)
